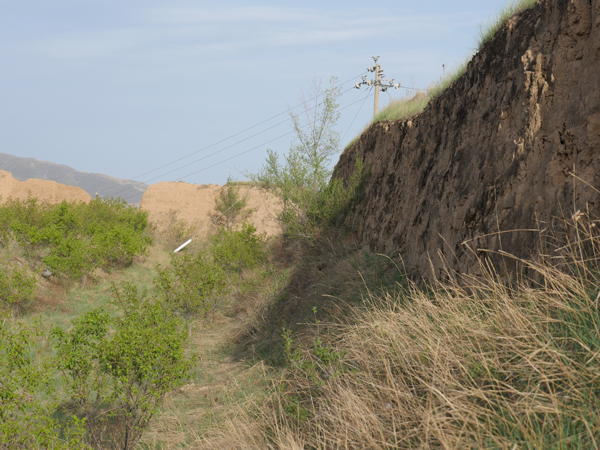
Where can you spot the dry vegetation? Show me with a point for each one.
(475, 364)
(329, 346)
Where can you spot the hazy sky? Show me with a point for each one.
(123, 87)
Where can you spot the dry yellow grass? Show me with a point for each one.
(469, 364)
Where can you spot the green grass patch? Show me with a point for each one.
(488, 30)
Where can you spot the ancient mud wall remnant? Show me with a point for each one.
(43, 190)
(495, 152)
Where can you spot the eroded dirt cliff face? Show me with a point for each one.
(43, 190)
(495, 152)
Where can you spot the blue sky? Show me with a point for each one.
(123, 87)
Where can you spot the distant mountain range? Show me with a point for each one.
(25, 168)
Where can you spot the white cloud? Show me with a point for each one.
(222, 30)
(200, 16)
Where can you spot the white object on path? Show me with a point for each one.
(182, 245)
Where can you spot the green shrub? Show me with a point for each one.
(73, 238)
(304, 172)
(115, 231)
(191, 285)
(236, 250)
(27, 396)
(25, 222)
(119, 369)
(230, 207)
(17, 286)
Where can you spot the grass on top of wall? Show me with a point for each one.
(409, 106)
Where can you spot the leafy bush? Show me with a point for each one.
(23, 222)
(17, 286)
(235, 250)
(190, 284)
(74, 238)
(119, 369)
(306, 212)
(27, 397)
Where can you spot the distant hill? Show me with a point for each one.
(25, 168)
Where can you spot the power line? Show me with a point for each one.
(221, 141)
(217, 152)
(356, 115)
(413, 89)
(258, 146)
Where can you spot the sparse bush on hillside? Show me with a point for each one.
(75, 238)
(235, 251)
(17, 286)
(173, 230)
(119, 369)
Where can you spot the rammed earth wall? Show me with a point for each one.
(495, 152)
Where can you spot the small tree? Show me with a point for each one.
(119, 379)
(303, 181)
(320, 141)
(230, 207)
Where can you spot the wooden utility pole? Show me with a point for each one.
(376, 83)
(377, 69)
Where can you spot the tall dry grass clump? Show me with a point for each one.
(469, 364)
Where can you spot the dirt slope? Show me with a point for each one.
(496, 150)
(44, 190)
(195, 204)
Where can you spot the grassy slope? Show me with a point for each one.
(219, 381)
(385, 364)
(378, 362)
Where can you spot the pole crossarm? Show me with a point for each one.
(377, 83)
